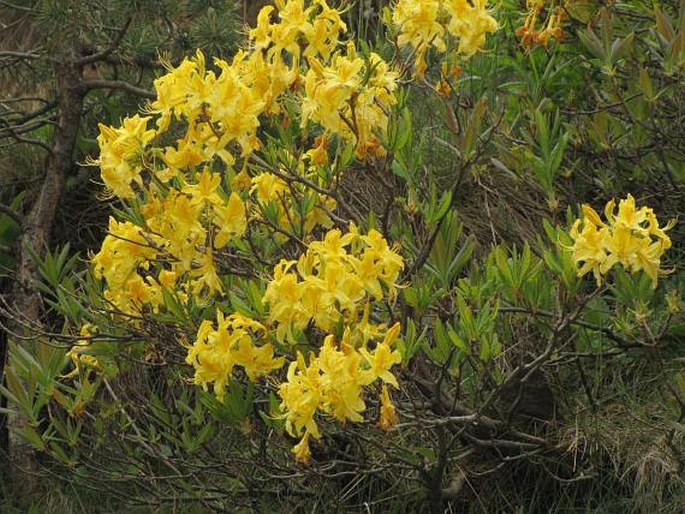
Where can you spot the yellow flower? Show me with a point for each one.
(323, 32)
(419, 26)
(231, 220)
(79, 356)
(268, 187)
(215, 353)
(388, 415)
(590, 248)
(318, 155)
(257, 360)
(342, 380)
(172, 91)
(470, 22)
(205, 281)
(241, 181)
(430, 23)
(167, 278)
(121, 151)
(260, 35)
(331, 282)
(185, 155)
(301, 395)
(333, 384)
(349, 97)
(381, 360)
(626, 238)
(205, 189)
(332, 248)
(184, 215)
(123, 252)
(301, 450)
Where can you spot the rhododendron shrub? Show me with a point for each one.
(239, 257)
(196, 196)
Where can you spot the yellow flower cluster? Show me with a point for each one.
(124, 252)
(430, 23)
(332, 384)
(216, 352)
(529, 32)
(329, 288)
(632, 237)
(80, 356)
(219, 110)
(328, 283)
(313, 25)
(345, 94)
(189, 210)
(173, 248)
(350, 97)
(121, 154)
(193, 181)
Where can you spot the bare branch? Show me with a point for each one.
(118, 84)
(28, 140)
(27, 123)
(19, 55)
(38, 112)
(24, 99)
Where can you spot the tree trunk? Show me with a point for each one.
(4, 434)
(36, 234)
(37, 227)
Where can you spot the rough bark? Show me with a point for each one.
(4, 434)
(37, 227)
(36, 233)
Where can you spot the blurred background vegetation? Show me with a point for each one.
(594, 116)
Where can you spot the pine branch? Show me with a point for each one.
(15, 6)
(11, 213)
(99, 56)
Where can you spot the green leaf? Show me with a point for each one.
(274, 417)
(445, 203)
(646, 85)
(29, 434)
(620, 48)
(236, 406)
(441, 351)
(412, 342)
(592, 43)
(458, 341)
(664, 25)
(472, 130)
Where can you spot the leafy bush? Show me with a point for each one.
(323, 237)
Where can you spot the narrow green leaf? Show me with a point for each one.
(33, 437)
